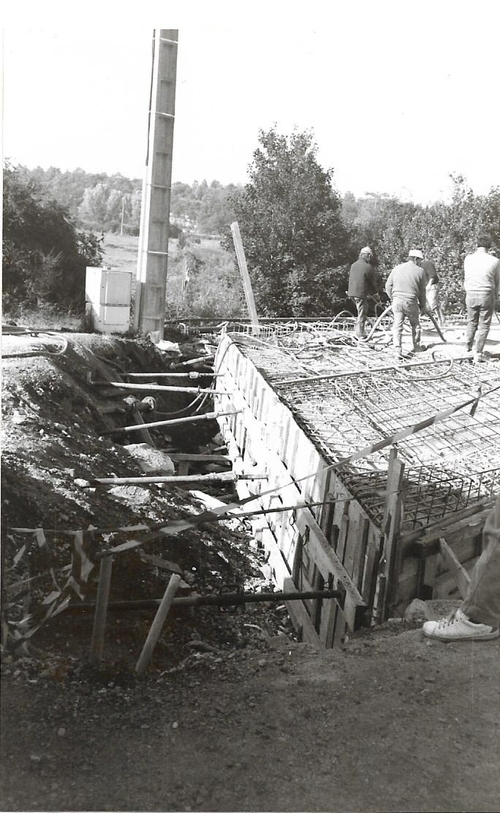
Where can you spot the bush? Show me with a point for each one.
(44, 256)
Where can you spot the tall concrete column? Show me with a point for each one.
(152, 261)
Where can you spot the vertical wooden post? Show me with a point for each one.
(101, 609)
(390, 563)
(245, 276)
(157, 625)
(150, 295)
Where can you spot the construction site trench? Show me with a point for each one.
(232, 712)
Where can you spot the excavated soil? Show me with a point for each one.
(233, 713)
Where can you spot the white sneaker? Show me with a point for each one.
(479, 358)
(457, 627)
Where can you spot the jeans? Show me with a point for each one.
(362, 309)
(401, 307)
(482, 601)
(480, 307)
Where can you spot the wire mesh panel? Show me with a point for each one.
(343, 404)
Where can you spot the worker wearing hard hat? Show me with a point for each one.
(406, 286)
(362, 284)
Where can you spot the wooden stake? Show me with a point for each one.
(101, 609)
(462, 578)
(157, 625)
(245, 276)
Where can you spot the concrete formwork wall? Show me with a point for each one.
(334, 542)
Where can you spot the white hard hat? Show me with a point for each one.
(366, 250)
(416, 253)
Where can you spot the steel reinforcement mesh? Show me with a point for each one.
(447, 465)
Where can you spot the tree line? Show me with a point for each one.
(112, 203)
(300, 235)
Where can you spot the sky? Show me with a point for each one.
(399, 94)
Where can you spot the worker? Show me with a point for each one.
(482, 285)
(432, 292)
(362, 285)
(478, 616)
(406, 288)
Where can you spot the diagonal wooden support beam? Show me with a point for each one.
(461, 576)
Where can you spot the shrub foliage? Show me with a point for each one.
(44, 255)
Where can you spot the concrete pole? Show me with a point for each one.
(149, 315)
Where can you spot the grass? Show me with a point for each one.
(213, 288)
(120, 251)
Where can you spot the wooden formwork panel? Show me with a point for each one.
(465, 541)
(267, 437)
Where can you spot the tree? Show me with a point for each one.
(289, 215)
(44, 256)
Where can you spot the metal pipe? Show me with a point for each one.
(160, 388)
(188, 374)
(385, 368)
(208, 416)
(218, 600)
(223, 476)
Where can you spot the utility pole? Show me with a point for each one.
(123, 215)
(152, 261)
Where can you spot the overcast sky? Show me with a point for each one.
(398, 94)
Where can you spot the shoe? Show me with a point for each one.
(398, 357)
(419, 348)
(479, 358)
(457, 627)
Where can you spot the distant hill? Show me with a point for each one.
(112, 203)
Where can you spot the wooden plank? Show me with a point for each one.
(300, 617)
(179, 457)
(359, 558)
(157, 625)
(101, 609)
(340, 628)
(409, 579)
(245, 276)
(461, 576)
(464, 548)
(392, 549)
(329, 613)
(370, 570)
(342, 538)
(317, 603)
(427, 539)
(352, 544)
(276, 561)
(446, 585)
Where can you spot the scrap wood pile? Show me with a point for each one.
(56, 524)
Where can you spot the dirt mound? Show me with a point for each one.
(57, 410)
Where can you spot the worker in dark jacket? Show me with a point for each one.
(406, 287)
(362, 284)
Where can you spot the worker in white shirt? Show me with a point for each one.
(482, 286)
